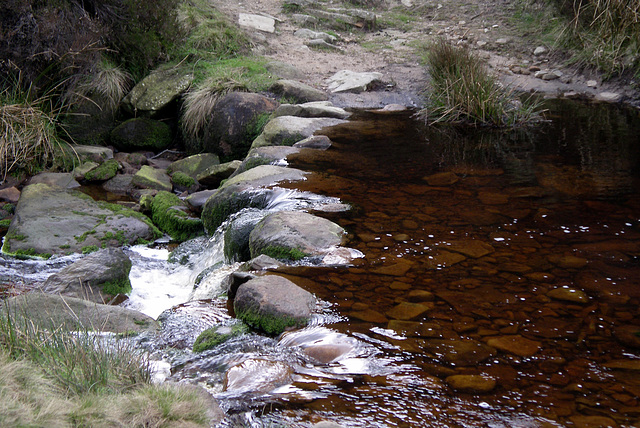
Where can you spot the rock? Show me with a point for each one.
(98, 277)
(304, 20)
(471, 384)
(257, 22)
(633, 365)
(441, 259)
(293, 235)
(317, 142)
(549, 76)
(194, 165)
(288, 130)
(369, 315)
(491, 198)
(351, 81)
(416, 329)
(80, 170)
(236, 235)
(592, 84)
(141, 134)
(441, 179)
(628, 335)
(182, 324)
(284, 70)
(580, 421)
(151, 178)
(10, 194)
(92, 153)
(470, 248)
(399, 269)
(298, 91)
(515, 344)
(569, 295)
(568, 261)
(609, 97)
(540, 50)
(52, 220)
(91, 119)
(272, 304)
(242, 191)
(236, 120)
(171, 215)
(305, 33)
(121, 184)
(328, 424)
(257, 376)
(213, 176)
(502, 41)
(47, 310)
(267, 155)
(103, 172)
(156, 91)
(262, 262)
(312, 109)
(321, 44)
(197, 200)
(58, 179)
(406, 311)
(214, 336)
(461, 352)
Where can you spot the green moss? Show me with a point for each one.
(166, 213)
(89, 249)
(16, 237)
(10, 208)
(282, 253)
(103, 172)
(270, 324)
(30, 253)
(64, 246)
(181, 179)
(214, 336)
(122, 286)
(5, 223)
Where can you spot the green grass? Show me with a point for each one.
(463, 91)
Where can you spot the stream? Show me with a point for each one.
(499, 284)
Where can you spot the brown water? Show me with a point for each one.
(514, 257)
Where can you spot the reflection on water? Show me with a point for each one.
(500, 278)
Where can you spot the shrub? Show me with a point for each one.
(463, 91)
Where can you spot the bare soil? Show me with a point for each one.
(486, 26)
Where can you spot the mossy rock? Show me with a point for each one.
(169, 213)
(182, 182)
(141, 134)
(194, 165)
(103, 172)
(214, 336)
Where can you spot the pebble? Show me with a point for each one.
(516, 345)
(610, 97)
(592, 84)
(471, 383)
(569, 295)
(540, 50)
(502, 41)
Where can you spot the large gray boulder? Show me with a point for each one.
(99, 277)
(299, 91)
(249, 189)
(288, 130)
(157, 91)
(272, 304)
(52, 220)
(292, 235)
(141, 134)
(351, 81)
(47, 311)
(236, 120)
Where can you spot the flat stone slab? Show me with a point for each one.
(351, 81)
(257, 22)
(516, 345)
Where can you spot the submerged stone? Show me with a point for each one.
(569, 295)
(409, 311)
(472, 384)
(516, 345)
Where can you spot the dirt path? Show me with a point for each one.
(486, 26)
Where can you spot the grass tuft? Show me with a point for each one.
(463, 91)
(109, 81)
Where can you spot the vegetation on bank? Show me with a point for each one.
(55, 378)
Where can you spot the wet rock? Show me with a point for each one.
(268, 155)
(214, 336)
(515, 344)
(58, 221)
(442, 259)
(106, 171)
(369, 315)
(152, 178)
(236, 235)
(396, 269)
(98, 277)
(472, 384)
(257, 376)
(327, 353)
(262, 262)
(420, 296)
(293, 235)
(580, 421)
(567, 261)
(327, 424)
(351, 81)
(141, 134)
(288, 130)
(172, 216)
(463, 352)
(609, 97)
(197, 200)
(257, 22)
(569, 295)
(633, 365)
(213, 175)
(194, 165)
(441, 179)
(272, 304)
(157, 91)
(242, 191)
(628, 335)
(317, 142)
(47, 310)
(312, 109)
(59, 179)
(491, 198)
(397, 285)
(407, 311)
(182, 324)
(297, 90)
(470, 248)
(416, 329)
(121, 184)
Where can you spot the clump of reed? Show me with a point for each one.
(462, 90)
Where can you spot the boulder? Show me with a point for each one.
(151, 178)
(52, 220)
(96, 154)
(312, 109)
(91, 120)
(288, 130)
(141, 134)
(245, 190)
(284, 70)
(98, 277)
(58, 179)
(351, 81)
(182, 324)
(213, 176)
(106, 171)
(48, 311)
(120, 184)
(236, 235)
(272, 304)
(267, 155)
(317, 142)
(298, 91)
(197, 200)
(236, 120)
(292, 235)
(171, 215)
(257, 22)
(156, 91)
(194, 165)
(305, 33)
